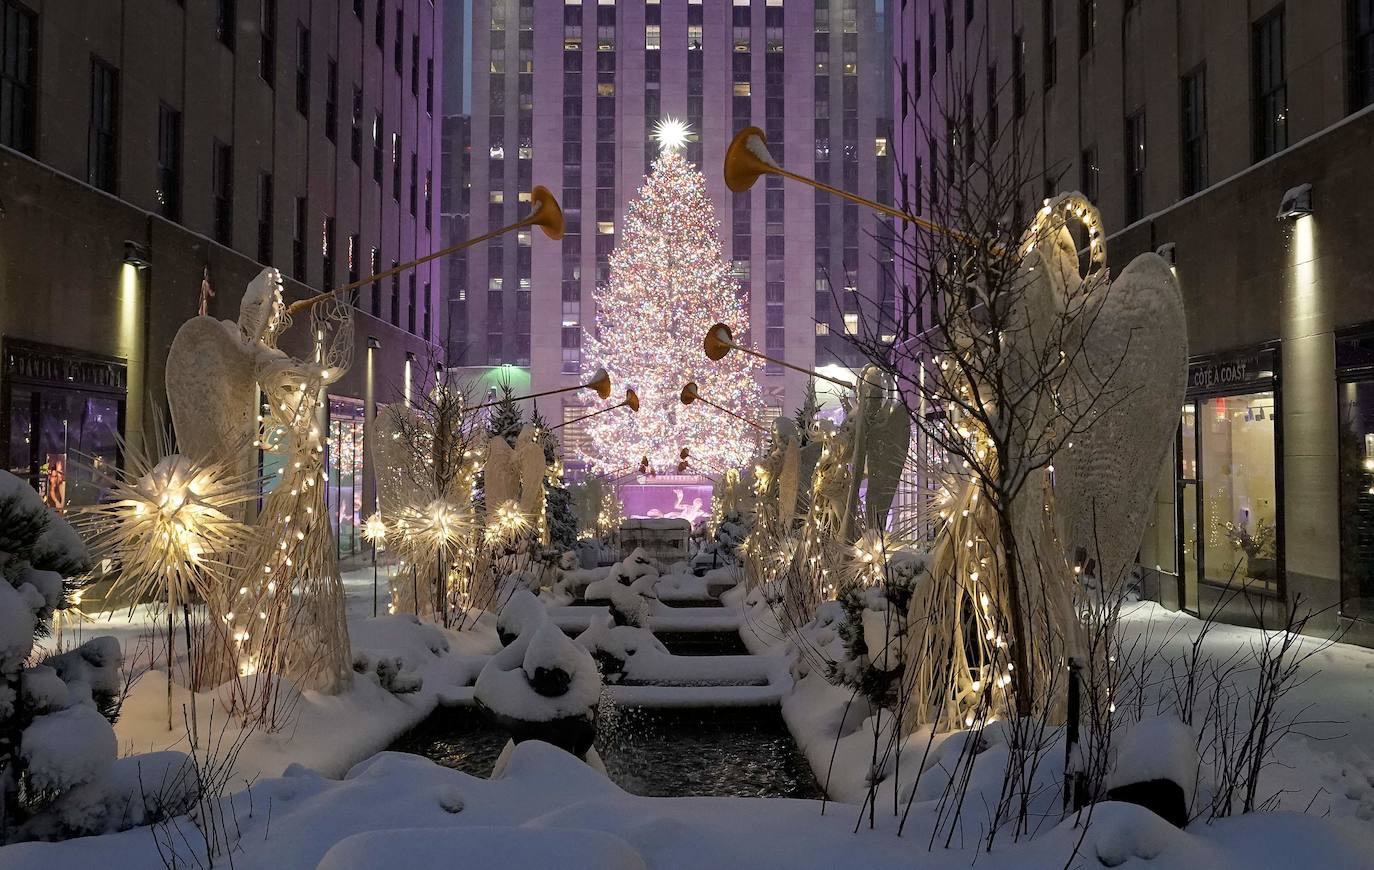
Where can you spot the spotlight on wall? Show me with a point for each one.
(136, 255)
(1167, 253)
(1296, 203)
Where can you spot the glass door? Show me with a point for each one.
(1189, 556)
(345, 457)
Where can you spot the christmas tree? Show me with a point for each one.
(669, 284)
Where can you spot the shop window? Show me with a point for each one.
(1355, 446)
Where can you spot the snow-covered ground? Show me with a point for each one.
(550, 810)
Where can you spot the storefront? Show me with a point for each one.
(1226, 534)
(1355, 405)
(344, 457)
(63, 414)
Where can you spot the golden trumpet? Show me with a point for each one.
(601, 382)
(690, 393)
(747, 158)
(631, 402)
(546, 214)
(719, 341)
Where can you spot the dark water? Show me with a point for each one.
(703, 643)
(655, 753)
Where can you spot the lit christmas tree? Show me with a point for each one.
(669, 284)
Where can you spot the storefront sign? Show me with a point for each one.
(1232, 372)
(40, 364)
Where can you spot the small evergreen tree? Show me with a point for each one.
(507, 419)
(55, 717)
(558, 502)
(806, 412)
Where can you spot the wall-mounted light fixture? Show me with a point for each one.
(1296, 203)
(1167, 253)
(373, 343)
(137, 255)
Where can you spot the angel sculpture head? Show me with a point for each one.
(262, 313)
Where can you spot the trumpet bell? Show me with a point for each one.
(632, 399)
(743, 163)
(718, 341)
(601, 382)
(547, 215)
(689, 393)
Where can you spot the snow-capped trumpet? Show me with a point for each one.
(720, 340)
(546, 214)
(631, 402)
(747, 158)
(691, 394)
(600, 382)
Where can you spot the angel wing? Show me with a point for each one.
(1136, 359)
(501, 484)
(889, 436)
(211, 390)
(528, 460)
(391, 457)
(789, 479)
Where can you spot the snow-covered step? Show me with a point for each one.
(576, 618)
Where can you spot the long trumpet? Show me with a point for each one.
(720, 340)
(631, 402)
(546, 214)
(690, 393)
(601, 382)
(747, 158)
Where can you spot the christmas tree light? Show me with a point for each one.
(669, 283)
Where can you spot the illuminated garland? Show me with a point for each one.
(670, 283)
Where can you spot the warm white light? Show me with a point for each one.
(672, 134)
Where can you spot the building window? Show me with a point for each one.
(353, 265)
(428, 300)
(1361, 53)
(1355, 447)
(222, 191)
(379, 26)
(1087, 25)
(1270, 86)
(303, 69)
(264, 217)
(18, 37)
(415, 65)
(267, 26)
(298, 233)
(1194, 129)
(398, 51)
(225, 14)
(395, 296)
(1135, 167)
(1018, 76)
(377, 147)
(429, 86)
(410, 311)
(355, 132)
(169, 162)
(1051, 43)
(1088, 173)
(414, 182)
(429, 198)
(101, 157)
(396, 166)
(331, 100)
(376, 263)
(327, 252)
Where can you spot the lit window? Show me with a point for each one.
(494, 284)
(523, 237)
(605, 89)
(888, 338)
(524, 196)
(526, 152)
(605, 228)
(880, 146)
(498, 152)
(652, 37)
(851, 324)
(822, 328)
(498, 196)
(742, 89)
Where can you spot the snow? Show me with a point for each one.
(497, 848)
(68, 748)
(1157, 747)
(503, 685)
(18, 617)
(42, 689)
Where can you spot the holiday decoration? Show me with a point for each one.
(668, 284)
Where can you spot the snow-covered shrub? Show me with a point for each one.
(629, 587)
(873, 631)
(55, 715)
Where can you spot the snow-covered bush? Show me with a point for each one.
(629, 587)
(55, 731)
(873, 629)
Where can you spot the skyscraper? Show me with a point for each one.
(565, 94)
